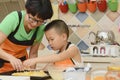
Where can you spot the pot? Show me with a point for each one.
(103, 37)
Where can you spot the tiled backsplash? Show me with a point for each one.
(82, 23)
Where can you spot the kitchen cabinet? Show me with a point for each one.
(100, 62)
(7, 6)
(4, 0)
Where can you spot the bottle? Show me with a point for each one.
(113, 73)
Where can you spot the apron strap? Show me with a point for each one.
(67, 48)
(68, 45)
(12, 34)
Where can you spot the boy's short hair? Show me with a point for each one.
(41, 8)
(59, 25)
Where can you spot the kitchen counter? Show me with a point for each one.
(101, 62)
(100, 59)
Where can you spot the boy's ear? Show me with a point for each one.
(64, 36)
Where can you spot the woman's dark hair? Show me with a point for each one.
(40, 8)
(59, 25)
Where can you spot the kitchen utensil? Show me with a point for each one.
(103, 37)
(76, 73)
(113, 71)
(72, 5)
(102, 5)
(113, 5)
(98, 74)
(82, 6)
(91, 5)
(56, 72)
(104, 50)
(63, 7)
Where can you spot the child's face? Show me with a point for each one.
(55, 40)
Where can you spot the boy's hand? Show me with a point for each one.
(29, 62)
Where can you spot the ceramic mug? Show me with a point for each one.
(113, 5)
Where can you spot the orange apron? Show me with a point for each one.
(16, 50)
(66, 62)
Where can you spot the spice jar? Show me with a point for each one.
(113, 73)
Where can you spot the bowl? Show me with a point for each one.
(67, 73)
(56, 72)
(76, 75)
(98, 74)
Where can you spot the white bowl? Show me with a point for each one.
(76, 75)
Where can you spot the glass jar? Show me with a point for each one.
(98, 74)
(113, 73)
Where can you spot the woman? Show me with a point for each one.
(20, 30)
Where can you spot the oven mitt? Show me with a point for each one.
(91, 5)
(63, 7)
(102, 5)
(113, 5)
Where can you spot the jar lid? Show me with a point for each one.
(113, 68)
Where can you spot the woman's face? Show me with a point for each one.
(55, 40)
(33, 21)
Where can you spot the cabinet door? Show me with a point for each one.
(7, 6)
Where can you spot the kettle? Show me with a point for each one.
(103, 37)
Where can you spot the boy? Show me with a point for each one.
(57, 34)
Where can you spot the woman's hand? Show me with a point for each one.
(30, 62)
(17, 64)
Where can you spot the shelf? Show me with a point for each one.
(100, 59)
